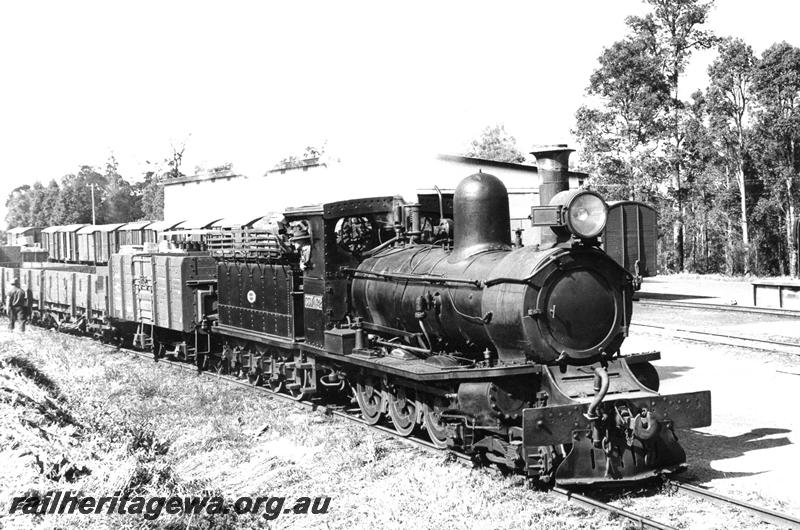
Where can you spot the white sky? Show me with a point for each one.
(252, 82)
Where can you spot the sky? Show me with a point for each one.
(253, 82)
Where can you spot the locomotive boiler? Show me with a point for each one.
(485, 299)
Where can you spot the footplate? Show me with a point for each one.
(631, 439)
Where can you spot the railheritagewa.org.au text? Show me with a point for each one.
(69, 502)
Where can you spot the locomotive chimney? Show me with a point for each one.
(552, 162)
(480, 216)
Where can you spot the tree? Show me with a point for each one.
(39, 215)
(674, 31)
(151, 193)
(729, 96)
(621, 139)
(496, 144)
(74, 204)
(120, 204)
(777, 88)
(711, 202)
(18, 206)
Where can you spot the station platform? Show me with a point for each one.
(711, 289)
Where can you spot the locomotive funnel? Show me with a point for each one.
(553, 167)
(481, 217)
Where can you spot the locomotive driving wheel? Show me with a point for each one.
(370, 399)
(403, 410)
(432, 422)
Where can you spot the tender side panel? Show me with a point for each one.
(261, 297)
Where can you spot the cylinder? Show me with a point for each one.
(481, 216)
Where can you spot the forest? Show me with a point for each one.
(721, 166)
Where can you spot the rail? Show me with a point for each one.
(765, 514)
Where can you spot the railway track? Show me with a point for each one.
(719, 307)
(575, 497)
(714, 337)
(765, 514)
(710, 337)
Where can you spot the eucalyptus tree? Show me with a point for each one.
(620, 136)
(730, 101)
(777, 89)
(675, 29)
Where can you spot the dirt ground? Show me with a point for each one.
(96, 420)
(750, 450)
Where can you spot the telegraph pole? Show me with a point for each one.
(93, 221)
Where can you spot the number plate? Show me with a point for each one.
(313, 301)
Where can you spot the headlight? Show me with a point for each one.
(586, 214)
(578, 213)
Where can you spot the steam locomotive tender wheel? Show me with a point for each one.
(254, 378)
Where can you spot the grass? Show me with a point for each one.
(98, 421)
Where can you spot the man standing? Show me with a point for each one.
(16, 306)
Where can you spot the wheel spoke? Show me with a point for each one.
(403, 411)
(370, 400)
(433, 425)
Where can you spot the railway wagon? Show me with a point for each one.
(50, 242)
(62, 242)
(97, 242)
(72, 298)
(630, 236)
(166, 296)
(24, 236)
(68, 237)
(67, 297)
(138, 233)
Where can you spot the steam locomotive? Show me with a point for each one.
(424, 313)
